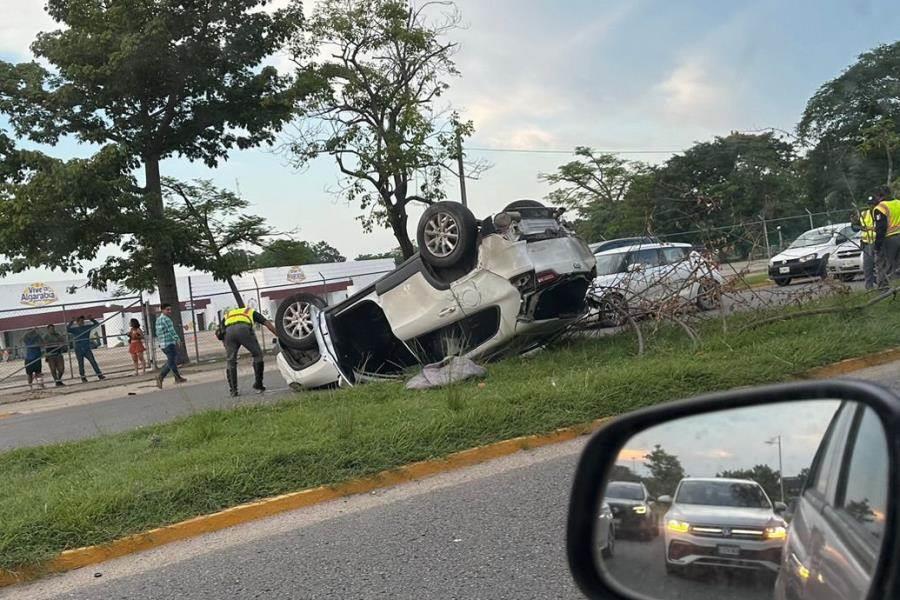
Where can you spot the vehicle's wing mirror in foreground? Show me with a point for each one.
(722, 468)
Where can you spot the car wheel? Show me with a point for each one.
(294, 321)
(710, 294)
(610, 549)
(613, 310)
(514, 206)
(782, 281)
(447, 234)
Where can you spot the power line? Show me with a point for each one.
(556, 151)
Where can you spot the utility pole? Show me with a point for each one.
(772, 442)
(766, 235)
(462, 174)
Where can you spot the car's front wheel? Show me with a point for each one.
(613, 310)
(447, 234)
(294, 321)
(709, 296)
(782, 281)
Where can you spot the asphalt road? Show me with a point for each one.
(91, 418)
(491, 531)
(638, 566)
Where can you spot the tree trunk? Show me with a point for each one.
(163, 265)
(890, 162)
(235, 292)
(398, 220)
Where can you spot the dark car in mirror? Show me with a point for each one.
(722, 502)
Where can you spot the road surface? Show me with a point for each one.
(495, 530)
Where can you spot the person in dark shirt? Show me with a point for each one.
(34, 350)
(81, 341)
(55, 345)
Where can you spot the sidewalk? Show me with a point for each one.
(124, 384)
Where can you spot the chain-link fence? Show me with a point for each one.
(60, 344)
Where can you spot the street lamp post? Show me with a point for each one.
(772, 442)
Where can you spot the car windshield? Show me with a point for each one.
(625, 491)
(610, 264)
(722, 493)
(812, 238)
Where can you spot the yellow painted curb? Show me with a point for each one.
(244, 513)
(853, 364)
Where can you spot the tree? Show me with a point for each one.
(835, 122)
(373, 104)
(217, 230)
(665, 472)
(764, 475)
(396, 254)
(623, 473)
(147, 81)
(881, 137)
(288, 253)
(597, 186)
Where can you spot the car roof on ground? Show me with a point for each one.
(647, 246)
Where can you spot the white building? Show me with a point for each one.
(39, 304)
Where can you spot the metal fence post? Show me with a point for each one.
(68, 344)
(766, 235)
(150, 335)
(194, 321)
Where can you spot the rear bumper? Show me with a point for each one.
(320, 373)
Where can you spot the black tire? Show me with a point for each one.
(782, 281)
(447, 234)
(710, 295)
(610, 549)
(518, 204)
(613, 310)
(293, 321)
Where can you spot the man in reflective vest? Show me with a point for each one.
(239, 332)
(866, 225)
(887, 236)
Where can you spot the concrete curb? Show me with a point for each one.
(245, 513)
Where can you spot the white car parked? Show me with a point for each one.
(808, 255)
(846, 262)
(633, 278)
(478, 290)
(723, 523)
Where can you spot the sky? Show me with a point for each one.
(539, 77)
(736, 438)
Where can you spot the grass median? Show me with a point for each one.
(69, 495)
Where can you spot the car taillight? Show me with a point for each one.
(546, 277)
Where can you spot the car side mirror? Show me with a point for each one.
(713, 450)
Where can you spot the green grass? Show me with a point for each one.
(76, 494)
(756, 278)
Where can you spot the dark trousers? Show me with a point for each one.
(88, 354)
(868, 256)
(887, 259)
(171, 352)
(57, 366)
(237, 336)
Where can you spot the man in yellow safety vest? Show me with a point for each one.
(866, 225)
(886, 215)
(239, 332)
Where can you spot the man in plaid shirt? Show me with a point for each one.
(168, 340)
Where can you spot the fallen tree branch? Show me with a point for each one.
(637, 330)
(822, 311)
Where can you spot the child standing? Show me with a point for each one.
(136, 346)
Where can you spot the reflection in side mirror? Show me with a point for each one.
(720, 527)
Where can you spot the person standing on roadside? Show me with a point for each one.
(169, 340)
(55, 346)
(136, 346)
(81, 341)
(239, 332)
(865, 223)
(34, 351)
(886, 215)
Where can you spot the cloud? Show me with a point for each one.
(695, 92)
(21, 22)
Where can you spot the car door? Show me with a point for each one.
(855, 520)
(643, 273)
(677, 272)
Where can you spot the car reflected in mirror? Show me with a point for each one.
(698, 503)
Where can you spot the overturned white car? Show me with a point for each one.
(480, 290)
